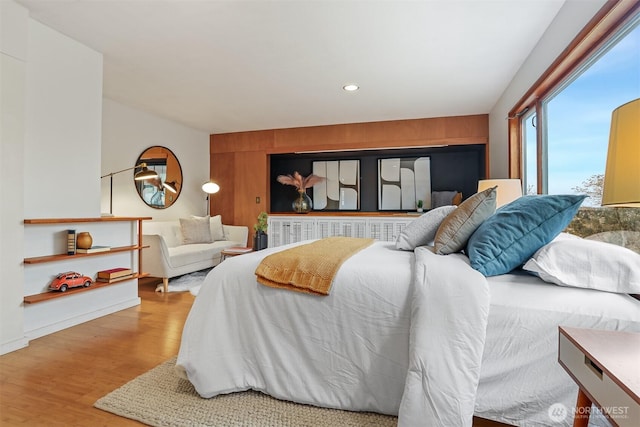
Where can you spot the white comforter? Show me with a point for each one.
(381, 341)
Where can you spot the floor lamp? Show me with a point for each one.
(210, 188)
(142, 175)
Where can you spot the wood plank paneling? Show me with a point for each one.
(250, 182)
(242, 141)
(240, 160)
(223, 173)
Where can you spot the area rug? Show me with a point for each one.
(187, 282)
(161, 398)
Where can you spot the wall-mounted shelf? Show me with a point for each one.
(78, 220)
(45, 296)
(62, 257)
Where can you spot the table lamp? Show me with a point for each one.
(622, 173)
(508, 189)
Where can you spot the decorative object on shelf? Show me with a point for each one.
(143, 174)
(71, 242)
(508, 189)
(419, 206)
(402, 181)
(261, 239)
(302, 204)
(69, 279)
(114, 275)
(83, 240)
(93, 249)
(210, 188)
(622, 172)
(340, 190)
(162, 190)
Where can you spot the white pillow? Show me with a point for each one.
(217, 231)
(587, 264)
(422, 230)
(215, 227)
(195, 230)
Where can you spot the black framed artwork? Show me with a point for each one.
(340, 191)
(402, 181)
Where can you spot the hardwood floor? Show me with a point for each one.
(56, 380)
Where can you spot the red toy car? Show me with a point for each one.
(70, 279)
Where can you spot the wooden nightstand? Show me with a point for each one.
(233, 251)
(606, 367)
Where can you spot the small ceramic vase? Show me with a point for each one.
(84, 240)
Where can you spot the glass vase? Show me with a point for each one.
(303, 203)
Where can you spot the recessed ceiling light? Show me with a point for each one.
(350, 87)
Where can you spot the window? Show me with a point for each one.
(564, 124)
(529, 153)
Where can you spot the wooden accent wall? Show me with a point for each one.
(240, 161)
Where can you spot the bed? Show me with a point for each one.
(410, 333)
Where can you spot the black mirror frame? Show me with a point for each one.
(176, 178)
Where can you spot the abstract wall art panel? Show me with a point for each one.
(340, 191)
(402, 182)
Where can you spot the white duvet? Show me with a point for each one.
(421, 336)
(375, 339)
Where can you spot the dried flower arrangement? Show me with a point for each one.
(300, 182)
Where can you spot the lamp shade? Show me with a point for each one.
(144, 173)
(210, 187)
(508, 189)
(171, 186)
(622, 173)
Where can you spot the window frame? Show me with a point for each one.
(606, 23)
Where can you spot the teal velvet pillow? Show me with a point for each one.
(512, 235)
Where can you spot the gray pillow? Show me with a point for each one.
(422, 230)
(455, 230)
(195, 230)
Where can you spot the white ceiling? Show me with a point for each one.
(228, 66)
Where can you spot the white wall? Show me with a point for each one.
(51, 99)
(571, 18)
(13, 56)
(126, 133)
(64, 115)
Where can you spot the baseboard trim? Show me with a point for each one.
(13, 345)
(67, 323)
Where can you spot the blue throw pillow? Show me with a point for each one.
(512, 235)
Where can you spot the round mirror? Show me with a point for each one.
(162, 188)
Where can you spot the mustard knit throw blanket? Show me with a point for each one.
(310, 267)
